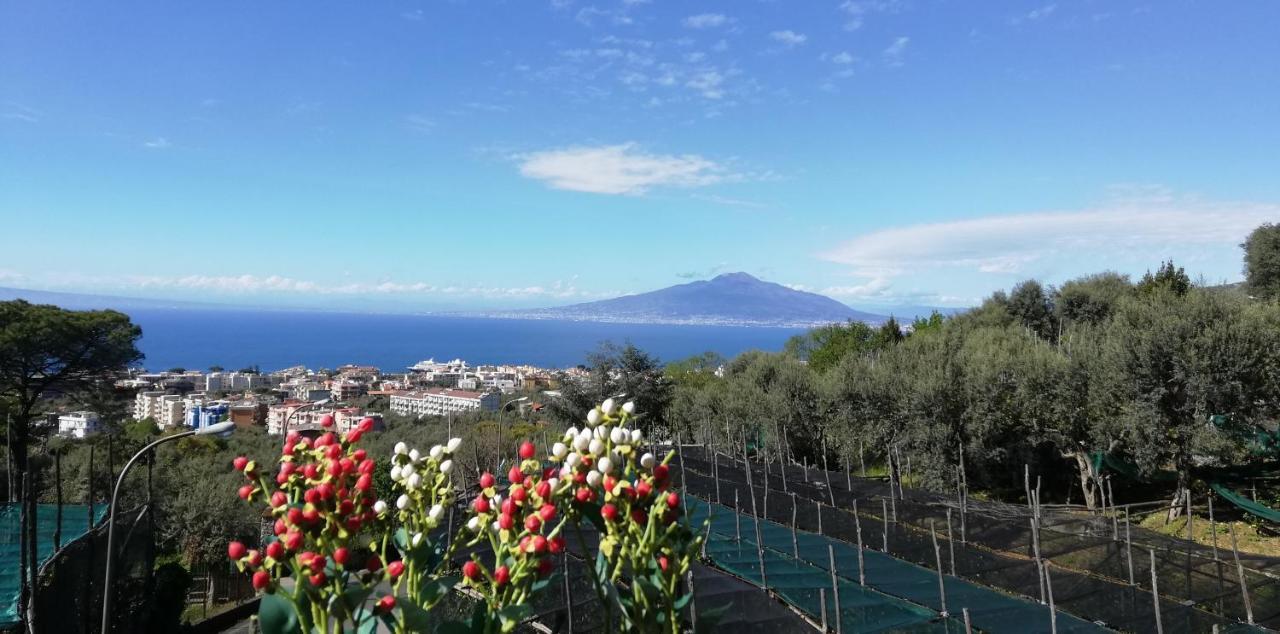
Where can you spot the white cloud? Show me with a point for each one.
(789, 37)
(843, 57)
(705, 20)
(158, 143)
(619, 169)
(858, 10)
(1034, 15)
(1145, 227)
(893, 53)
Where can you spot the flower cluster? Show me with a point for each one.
(628, 490)
(321, 500)
(522, 530)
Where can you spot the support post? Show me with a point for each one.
(825, 472)
(737, 517)
(937, 557)
(968, 627)
(822, 600)
(795, 543)
(884, 522)
(862, 460)
(951, 544)
(818, 505)
(1213, 528)
(715, 472)
(1053, 612)
(1244, 585)
(568, 598)
(835, 587)
(862, 564)
(1155, 593)
(1128, 545)
(1035, 553)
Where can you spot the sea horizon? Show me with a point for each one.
(273, 339)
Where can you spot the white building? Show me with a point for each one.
(78, 424)
(442, 401)
(165, 409)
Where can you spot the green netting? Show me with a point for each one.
(1245, 504)
(898, 595)
(75, 521)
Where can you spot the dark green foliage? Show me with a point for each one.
(172, 581)
(1033, 308)
(1168, 278)
(1091, 299)
(1262, 262)
(615, 370)
(825, 346)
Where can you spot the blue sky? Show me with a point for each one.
(481, 153)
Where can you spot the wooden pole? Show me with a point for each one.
(818, 505)
(884, 521)
(1115, 519)
(755, 516)
(1244, 586)
(830, 491)
(1053, 612)
(88, 579)
(693, 600)
(715, 472)
(835, 587)
(848, 477)
(862, 460)
(23, 588)
(1128, 545)
(1190, 534)
(795, 543)
(937, 556)
(1035, 548)
(822, 599)
(951, 543)
(862, 566)
(1026, 484)
(968, 627)
(737, 517)
(1213, 528)
(1155, 593)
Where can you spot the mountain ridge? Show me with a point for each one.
(727, 299)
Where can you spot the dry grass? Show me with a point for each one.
(1247, 535)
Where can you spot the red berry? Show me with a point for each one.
(505, 521)
(366, 466)
(310, 516)
(287, 468)
(547, 512)
(261, 580)
(311, 496)
(508, 507)
(538, 544)
(673, 499)
(319, 562)
(364, 483)
(486, 480)
(660, 473)
(518, 494)
(639, 516)
(279, 498)
(470, 570)
(255, 558)
(387, 603)
(326, 421)
(246, 491)
(340, 556)
(353, 436)
(609, 483)
(527, 450)
(481, 505)
(235, 550)
(543, 490)
(366, 424)
(583, 495)
(359, 455)
(515, 475)
(310, 471)
(317, 579)
(609, 512)
(545, 568)
(532, 523)
(275, 550)
(240, 463)
(295, 515)
(643, 489)
(663, 562)
(281, 527)
(292, 540)
(281, 478)
(501, 576)
(374, 564)
(556, 545)
(395, 569)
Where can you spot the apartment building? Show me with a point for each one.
(165, 409)
(78, 424)
(442, 401)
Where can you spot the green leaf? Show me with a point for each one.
(436, 589)
(416, 619)
(513, 615)
(277, 616)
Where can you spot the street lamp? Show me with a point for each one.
(285, 428)
(216, 428)
(509, 403)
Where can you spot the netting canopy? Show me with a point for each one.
(75, 522)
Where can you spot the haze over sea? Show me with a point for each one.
(197, 339)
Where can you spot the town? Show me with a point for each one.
(298, 398)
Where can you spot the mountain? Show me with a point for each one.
(82, 301)
(731, 299)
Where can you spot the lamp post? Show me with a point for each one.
(107, 593)
(285, 428)
(501, 410)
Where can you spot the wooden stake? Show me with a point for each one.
(1128, 545)
(737, 517)
(568, 598)
(715, 472)
(968, 627)
(937, 556)
(951, 543)
(884, 521)
(693, 600)
(862, 566)
(1053, 612)
(830, 491)
(795, 543)
(862, 460)
(1244, 586)
(835, 587)
(1115, 519)
(818, 505)
(1035, 552)
(1155, 593)
(822, 599)
(1213, 528)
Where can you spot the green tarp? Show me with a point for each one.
(1245, 504)
(75, 521)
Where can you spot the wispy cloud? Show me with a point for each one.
(856, 11)
(789, 38)
(1035, 15)
(420, 123)
(249, 284)
(893, 53)
(415, 15)
(18, 112)
(619, 169)
(703, 274)
(158, 143)
(705, 20)
(843, 58)
(1147, 225)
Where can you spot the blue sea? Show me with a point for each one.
(272, 340)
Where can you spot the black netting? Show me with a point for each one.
(1089, 572)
